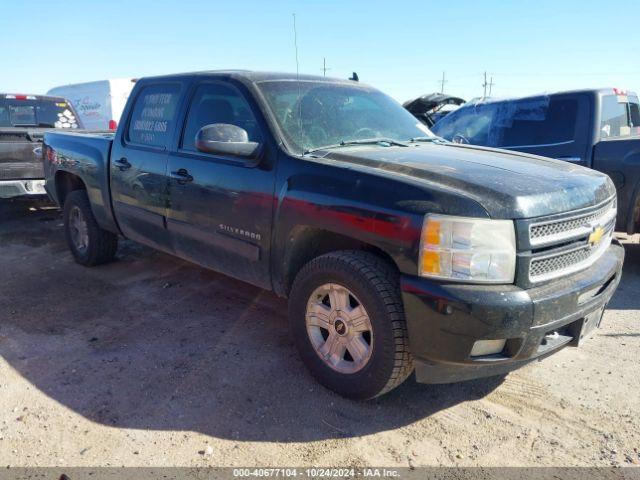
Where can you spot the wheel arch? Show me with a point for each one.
(633, 216)
(306, 243)
(65, 183)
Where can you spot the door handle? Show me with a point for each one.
(182, 176)
(123, 164)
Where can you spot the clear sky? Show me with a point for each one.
(401, 47)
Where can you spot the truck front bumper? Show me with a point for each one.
(446, 320)
(17, 188)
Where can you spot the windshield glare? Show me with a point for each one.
(314, 114)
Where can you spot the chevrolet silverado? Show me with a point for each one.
(397, 251)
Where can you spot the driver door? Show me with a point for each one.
(220, 207)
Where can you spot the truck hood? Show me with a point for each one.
(508, 185)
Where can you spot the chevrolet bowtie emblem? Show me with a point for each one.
(596, 236)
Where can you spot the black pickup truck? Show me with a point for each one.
(23, 121)
(599, 129)
(396, 250)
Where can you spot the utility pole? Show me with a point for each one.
(484, 85)
(324, 66)
(442, 82)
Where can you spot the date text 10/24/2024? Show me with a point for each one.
(317, 472)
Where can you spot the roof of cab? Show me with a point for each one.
(581, 91)
(256, 77)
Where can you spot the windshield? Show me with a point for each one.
(315, 114)
(37, 113)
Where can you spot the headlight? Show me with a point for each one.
(468, 249)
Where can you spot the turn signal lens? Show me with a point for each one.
(468, 249)
(431, 262)
(432, 232)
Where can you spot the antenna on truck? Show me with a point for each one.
(295, 44)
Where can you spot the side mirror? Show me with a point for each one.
(226, 139)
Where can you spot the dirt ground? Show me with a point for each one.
(154, 361)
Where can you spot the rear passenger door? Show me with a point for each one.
(139, 183)
(220, 206)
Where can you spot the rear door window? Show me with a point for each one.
(154, 114)
(22, 115)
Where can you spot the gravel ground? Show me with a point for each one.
(153, 361)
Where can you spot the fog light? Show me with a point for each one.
(487, 347)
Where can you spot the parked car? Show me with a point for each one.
(396, 250)
(599, 129)
(99, 103)
(432, 107)
(23, 120)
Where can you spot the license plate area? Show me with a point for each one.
(573, 333)
(590, 324)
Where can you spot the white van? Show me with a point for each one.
(99, 104)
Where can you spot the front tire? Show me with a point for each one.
(89, 244)
(347, 321)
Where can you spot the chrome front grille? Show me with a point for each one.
(571, 244)
(575, 226)
(560, 264)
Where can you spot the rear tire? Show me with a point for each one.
(347, 321)
(89, 244)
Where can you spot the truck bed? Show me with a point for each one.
(21, 152)
(86, 155)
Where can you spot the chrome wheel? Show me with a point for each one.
(79, 229)
(339, 328)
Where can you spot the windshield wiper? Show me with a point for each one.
(383, 142)
(425, 139)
